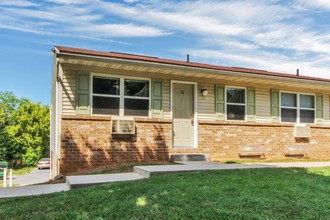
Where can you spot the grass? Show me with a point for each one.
(227, 194)
(286, 160)
(23, 170)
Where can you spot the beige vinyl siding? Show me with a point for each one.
(69, 92)
(205, 104)
(263, 104)
(54, 110)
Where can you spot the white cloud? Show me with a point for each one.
(75, 21)
(263, 61)
(181, 20)
(131, 1)
(26, 28)
(69, 15)
(119, 30)
(17, 3)
(261, 23)
(255, 33)
(67, 2)
(321, 4)
(231, 43)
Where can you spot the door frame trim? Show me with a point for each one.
(195, 144)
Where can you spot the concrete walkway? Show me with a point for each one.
(143, 172)
(32, 190)
(35, 177)
(148, 171)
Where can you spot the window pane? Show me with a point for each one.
(138, 88)
(235, 95)
(105, 105)
(307, 101)
(235, 112)
(136, 107)
(107, 86)
(307, 116)
(288, 115)
(288, 100)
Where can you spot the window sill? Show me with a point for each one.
(153, 120)
(242, 123)
(86, 117)
(109, 118)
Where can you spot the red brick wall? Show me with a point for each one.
(222, 140)
(87, 141)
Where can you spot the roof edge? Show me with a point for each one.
(151, 59)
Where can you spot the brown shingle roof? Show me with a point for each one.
(181, 63)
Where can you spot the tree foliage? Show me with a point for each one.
(24, 130)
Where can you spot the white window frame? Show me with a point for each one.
(121, 95)
(239, 104)
(298, 108)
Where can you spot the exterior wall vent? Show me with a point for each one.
(301, 131)
(123, 127)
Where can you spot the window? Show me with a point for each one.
(120, 96)
(136, 97)
(235, 103)
(307, 108)
(106, 95)
(297, 108)
(288, 107)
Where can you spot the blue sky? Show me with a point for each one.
(273, 35)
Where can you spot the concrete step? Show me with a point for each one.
(89, 180)
(190, 157)
(192, 166)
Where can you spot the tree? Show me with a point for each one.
(8, 104)
(24, 134)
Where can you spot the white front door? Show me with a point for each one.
(183, 115)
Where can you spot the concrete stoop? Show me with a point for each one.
(89, 180)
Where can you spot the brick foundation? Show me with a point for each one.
(87, 141)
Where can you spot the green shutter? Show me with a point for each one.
(275, 105)
(82, 98)
(220, 101)
(319, 109)
(156, 98)
(251, 104)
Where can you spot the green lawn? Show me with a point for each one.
(229, 194)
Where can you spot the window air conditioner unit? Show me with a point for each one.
(123, 127)
(301, 131)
